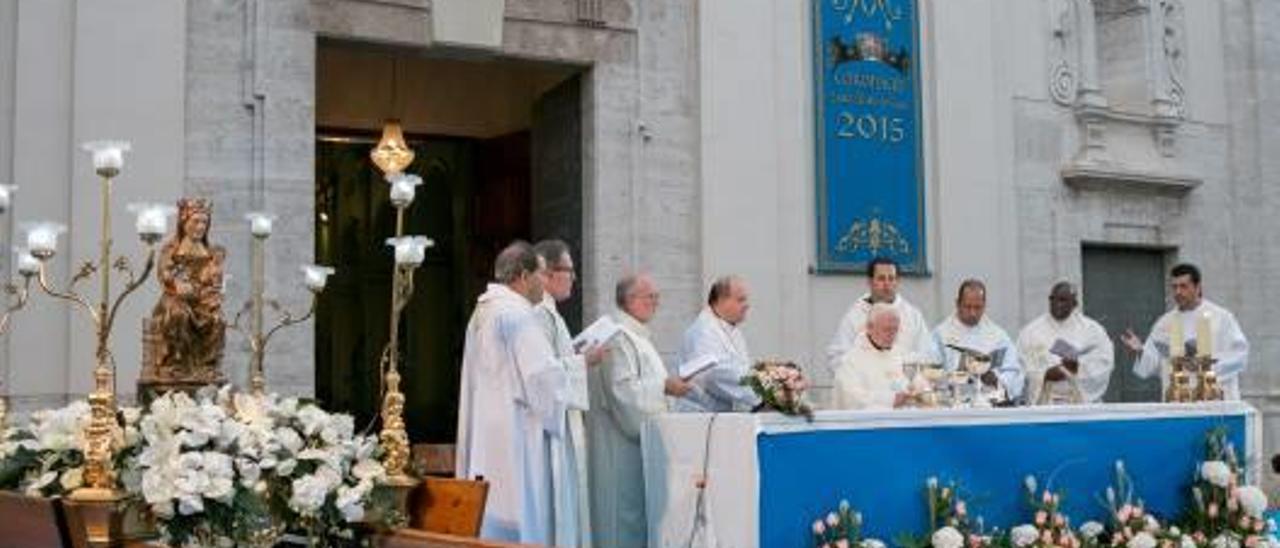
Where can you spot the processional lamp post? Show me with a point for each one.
(392, 155)
(27, 266)
(314, 277)
(98, 497)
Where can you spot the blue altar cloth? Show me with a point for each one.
(768, 489)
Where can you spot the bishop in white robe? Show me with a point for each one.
(715, 338)
(1053, 376)
(1193, 316)
(627, 389)
(512, 402)
(970, 328)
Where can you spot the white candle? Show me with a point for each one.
(260, 224)
(152, 222)
(42, 239)
(108, 156)
(1175, 336)
(402, 188)
(27, 264)
(6, 197)
(1204, 336)
(315, 276)
(410, 250)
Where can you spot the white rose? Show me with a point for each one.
(309, 493)
(1252, 500)
(1152, 525)
(221, 490)
(72, 478)
(339, 427)
(289, 440)
(1024, 535)
(1216, 472)
(1188, 542)
(1091, 529)
(947, 537)
(190, 504)
(873, 543)
(313, 419)
(350, 502)
(1225, 540)
(1142, 540)
(368, 469)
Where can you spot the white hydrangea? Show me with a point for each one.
(1091, 529)
(1142, 540)
(947, 537)
(1216, 472)
(1252, 500)
(1024, 535)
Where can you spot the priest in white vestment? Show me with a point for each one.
(913, 334)
(971, 329)
(512, 402)
(1193, 318)
(1068, 356)
(715, 352)
(629, 387)
(870, 374)
(568, 453)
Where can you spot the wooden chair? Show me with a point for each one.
(31, 521)
(447, 505)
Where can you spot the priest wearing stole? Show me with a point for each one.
(913, 335)
(1195, 323)
(970, 328)
(870, 374)
(568, 453)
(512, 404)
(1068, 356)
(629, 387)
(714, 356)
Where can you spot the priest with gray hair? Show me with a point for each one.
(512, 402)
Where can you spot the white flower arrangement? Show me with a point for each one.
(947, 537)
(45, 458)
(265, 461)
(1216, 472)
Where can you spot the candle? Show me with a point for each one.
(152, 222)
(108, 156)
(27, 264)
(402, 188)
(260, 224)
(315, 276)
(1175, 336)
(42, 238)
(6, 197)
(1204, 337)
(410, 250)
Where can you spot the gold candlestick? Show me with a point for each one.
(315, 277)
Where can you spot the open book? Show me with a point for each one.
(995, 356)
(1068, 351)
(697, 365)
(598, 333)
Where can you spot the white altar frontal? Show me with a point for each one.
(768, 476)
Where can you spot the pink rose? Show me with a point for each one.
(960, 508)
(1041, 517)
(1212, 512)
(818, 527)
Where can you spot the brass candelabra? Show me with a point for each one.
(314, 277)
(96, 501)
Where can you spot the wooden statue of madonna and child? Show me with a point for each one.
(182, 341)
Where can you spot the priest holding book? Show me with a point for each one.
(1197, 324)
(713, 356)
(969, 332)
(1068, 356)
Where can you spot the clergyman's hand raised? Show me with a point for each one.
(1131, 341)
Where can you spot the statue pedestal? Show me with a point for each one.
(155, 380)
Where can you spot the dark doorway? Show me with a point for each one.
(1124, 288)
(500, 155)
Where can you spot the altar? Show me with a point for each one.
(768, 476)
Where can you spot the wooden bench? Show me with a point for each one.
(31, 521)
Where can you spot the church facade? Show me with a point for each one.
(1098, 141)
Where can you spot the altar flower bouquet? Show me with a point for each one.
(780, 387)
(1049, 528)
(1223, 512)
(842, 529)
(227, 468)
(1129, 524)
(951, 522)
(45, 457)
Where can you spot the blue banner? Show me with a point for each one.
(882, 472)
(870, 176)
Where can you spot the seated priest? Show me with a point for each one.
(969, 333)
(714, 356)
(1195, 326)
(870, 374)
(1068, 356)
(628, 388)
